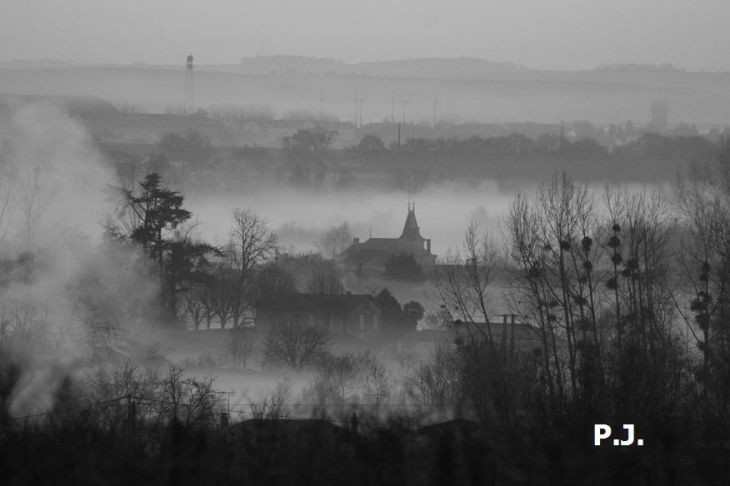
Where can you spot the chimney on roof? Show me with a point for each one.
(428, 245)
(504, 318)
(355, 241)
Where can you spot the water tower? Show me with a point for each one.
(189, 107)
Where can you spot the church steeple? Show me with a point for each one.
(410, 229)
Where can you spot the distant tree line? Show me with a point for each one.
(307, 159)
(649, 145)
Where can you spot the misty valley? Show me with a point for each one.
(246, 295)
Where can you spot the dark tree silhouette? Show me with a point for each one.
(251, 245)
(191, 148)
(154, 219)
(403, 267)
(392, 313)
(413, 312)
(310, 141)
(294, 346)
(370, 144)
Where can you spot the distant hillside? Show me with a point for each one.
(463, 89)
(435, 68)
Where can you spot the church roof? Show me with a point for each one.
(410, 229)
(391, 246)
(379, 244)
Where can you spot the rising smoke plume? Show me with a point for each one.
(62, 291)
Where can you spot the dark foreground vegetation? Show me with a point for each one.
(77, 449)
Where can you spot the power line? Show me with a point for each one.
(71, 409)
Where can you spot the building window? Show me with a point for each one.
(362, 322)
(375, 322)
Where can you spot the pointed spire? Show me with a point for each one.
(410, 229)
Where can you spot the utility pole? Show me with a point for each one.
(355, 121)
(228, 398)
(358, 110)
(435, 102)
(189, 102)
(392, 108)
(226, 417)
(131, 416)
(377, 396)
(404, 102)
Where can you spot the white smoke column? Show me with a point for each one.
(48, 151)
(57, 206)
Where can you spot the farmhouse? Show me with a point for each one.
(348, 313)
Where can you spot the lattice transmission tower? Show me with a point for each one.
(189, 107)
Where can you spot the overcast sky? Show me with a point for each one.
(556, 34)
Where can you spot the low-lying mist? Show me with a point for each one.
(65, 290)
(443, 211)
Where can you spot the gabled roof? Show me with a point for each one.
(298, 302)
(388, 245)
(522, 333)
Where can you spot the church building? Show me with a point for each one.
(371, 256)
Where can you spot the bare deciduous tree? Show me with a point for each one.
(327, 282)
(193, 305)
(436, 380)
(242, 345)
(294, 345)
(335, 240)
(190, 400)
(703, 201)
(36, 197)
(549, 241)
(252, 243)
(462, 283)
(272, 405)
